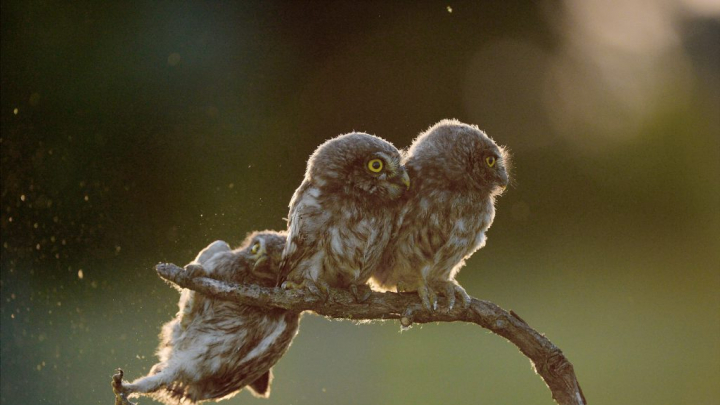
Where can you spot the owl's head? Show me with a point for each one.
(359, 165)
(261, 252)
(461, 156)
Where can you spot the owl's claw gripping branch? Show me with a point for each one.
(117, 386)
(452, 290)
(320, 288)
(428, 297)
(360, 292)
(408, 309)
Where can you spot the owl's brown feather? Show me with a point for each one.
(214, 348)
(341, 216)
(447, 211)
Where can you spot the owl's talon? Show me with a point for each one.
(361, 292)
(428, 298)
(449, 292)
(465, 298)
(319, 289)
(402, 287)
(324, 289)
(433, 298)
(120, 390)
(452, 290)
(289, 285)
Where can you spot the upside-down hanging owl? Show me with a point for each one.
(214, 348)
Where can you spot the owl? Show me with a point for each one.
(214, 348)
(341, 217)
(457, 173)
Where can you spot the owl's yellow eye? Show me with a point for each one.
(255, 248)
(375, 165)
(490, 160)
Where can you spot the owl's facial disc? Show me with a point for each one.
(495, 163)
(258, 254)
(392, 176)
(398, 183)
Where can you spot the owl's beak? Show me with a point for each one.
(261, 273)
(402, 178)
(504, 180)
(260, 258)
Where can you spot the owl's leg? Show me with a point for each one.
(361, 292)
(160, 376)
(318, 288)
(465, 298)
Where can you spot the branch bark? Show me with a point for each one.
(547, 359)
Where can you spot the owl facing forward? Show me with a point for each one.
(457, 172)
(341, 217)
(214, 348)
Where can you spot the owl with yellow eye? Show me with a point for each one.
(342, 215)
(214, 348)
(457, 173)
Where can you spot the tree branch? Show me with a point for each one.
(547, 359)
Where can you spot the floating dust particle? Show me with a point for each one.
(22, 197)
(87, 198)
(16, 111)
(80, 274)
(449, 9)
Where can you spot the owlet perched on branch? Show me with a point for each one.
(214, 348)
(457, 172)
(341, 217)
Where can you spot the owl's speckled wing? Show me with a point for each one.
(217, 347)
(458, 172)
(342, 214)
(305, 224)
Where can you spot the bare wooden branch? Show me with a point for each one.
(547, 359)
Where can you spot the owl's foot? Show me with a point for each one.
(318, 288)
(428, 297)
(402, 287)
(452, 290)
(361, 292)
(195, 270)
(121, 392)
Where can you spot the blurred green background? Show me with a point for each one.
(138, 132)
